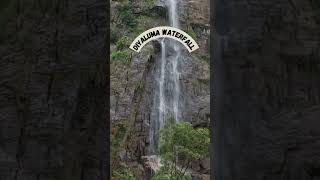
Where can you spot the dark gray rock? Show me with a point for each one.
(266, 90)
(134, 85)
(54, 91)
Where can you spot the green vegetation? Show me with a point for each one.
(122, 43)
(120, 171)
(137, 31)
(149, 2)
(117, 135)
(120, 56)
(165, 173)
(114, 34)
(180, 145)
(189, 29)
(126, 15)
(127, 23)
(123, 174)
(191, 33)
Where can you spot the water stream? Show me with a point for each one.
(167, 98)
(174, 22)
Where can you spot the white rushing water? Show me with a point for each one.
(173, 13)
(162, 105)
(174, 73)
(167, 95)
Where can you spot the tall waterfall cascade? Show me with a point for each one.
(167, 98)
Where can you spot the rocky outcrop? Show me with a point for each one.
(54, 91)
(195, 90)
(195, 12)
(266, 90)
(134, 83)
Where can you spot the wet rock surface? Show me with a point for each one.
(133, 86)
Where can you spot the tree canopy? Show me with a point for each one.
(180, 145)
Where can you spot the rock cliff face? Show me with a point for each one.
(133, 82)
(53, 90)
(266, 90)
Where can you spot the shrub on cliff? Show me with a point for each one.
(120, 56)
(122, 43)
(180, 145)
(127, 16)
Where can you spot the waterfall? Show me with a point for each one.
(173, 13)
(173, 71)
(167, 95)
(162, 106)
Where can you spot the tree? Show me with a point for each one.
(180, 145)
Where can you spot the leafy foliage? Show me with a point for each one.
(122, 43)
(127, 17)
(114, 34)
(120, 56)
(120, 171)
(117, 136)
(180, 145)
(165, 173)
(150, 2)
(124, 173)
(191, 32)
